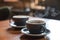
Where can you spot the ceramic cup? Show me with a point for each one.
(36, 26)
(20, 20)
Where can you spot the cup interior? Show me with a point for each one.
(20, 16)
(35, 22)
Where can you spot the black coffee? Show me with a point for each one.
(36, 22)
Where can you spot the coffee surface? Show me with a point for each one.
(20, 16)
(36, 22)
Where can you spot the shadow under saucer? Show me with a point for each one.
(26, 37)
(14, 30)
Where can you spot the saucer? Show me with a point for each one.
(26, 32)
(15, 26)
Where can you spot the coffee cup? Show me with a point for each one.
(20, 20)
(36, 26)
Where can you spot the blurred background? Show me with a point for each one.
(38, 8)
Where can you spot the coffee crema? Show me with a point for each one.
(35, 22)
(20, 16)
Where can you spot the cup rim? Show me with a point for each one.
(20, 16)
(29, 22)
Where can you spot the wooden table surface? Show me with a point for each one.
(52, 25)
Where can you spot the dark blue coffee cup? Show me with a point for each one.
(20, 20)
(36, 26)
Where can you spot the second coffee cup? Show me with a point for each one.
(36, 26)
(20, 20)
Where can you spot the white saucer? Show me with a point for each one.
(15, 26)
(25, 31)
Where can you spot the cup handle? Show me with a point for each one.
(43, 27)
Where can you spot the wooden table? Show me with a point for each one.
(52, 25)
